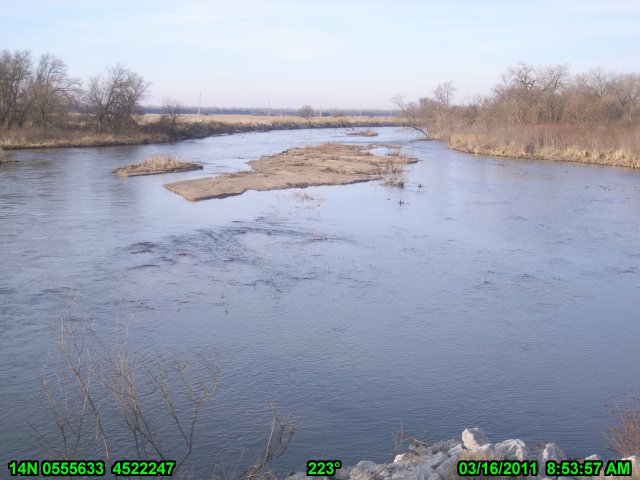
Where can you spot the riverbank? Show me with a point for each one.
(152, 129)
(326, 164)
(440, 461)
(599, 146)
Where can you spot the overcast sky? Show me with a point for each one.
(343, 54)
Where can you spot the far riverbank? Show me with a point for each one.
(151, 129)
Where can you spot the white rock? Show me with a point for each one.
(434, 461)
(400, 470)
(448, 469)
(405, 471)
(442, 446)
(342, 473)
(551, 452)
(485, 451)
(595, 456)
(423, 472)
(298, 476)
(514, 449)
(473, 438)
(457, 449)
(403, 457)
(364, 470)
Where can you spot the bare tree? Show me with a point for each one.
(443, 93)
(105, 402)
(518, 93)
(15, 71)
(172, 111)
(112, 100)
(306, 112)
(51, 91)
(554, 81)
(96, 396)
(596, 81)
(414, 114)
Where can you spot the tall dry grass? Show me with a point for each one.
(3, 156)
(602, 144)
(624, 437)
(55, 138)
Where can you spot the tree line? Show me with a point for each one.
(43, 94)
(528, 95)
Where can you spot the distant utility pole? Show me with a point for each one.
(320, 109)
(199, 102)
(269, 107)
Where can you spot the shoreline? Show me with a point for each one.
(556, 156)
(536, 146)
(441, 461)
(152, 132)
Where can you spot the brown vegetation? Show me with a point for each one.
(276, 122)
(3, 156)
(619, 146)
(624, 437)
(327, 164)
(60, 138)
(157, 164)
(363, 133)
(306, 112)
(104, 400)
(540, 113)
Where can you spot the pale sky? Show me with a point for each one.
(334, 53)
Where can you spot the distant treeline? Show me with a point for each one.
(543, 112)
(333, 112)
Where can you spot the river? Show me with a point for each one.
(488, 292)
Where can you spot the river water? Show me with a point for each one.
(496, 293)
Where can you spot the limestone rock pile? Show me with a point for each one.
(439, 461)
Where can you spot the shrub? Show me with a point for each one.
(624, 437)
(105, 400)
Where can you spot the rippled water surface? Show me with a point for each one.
(502, 294)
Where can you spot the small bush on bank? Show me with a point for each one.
(624, 437)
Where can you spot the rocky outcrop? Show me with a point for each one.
(439, 461)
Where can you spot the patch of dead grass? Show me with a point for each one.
(157, 164)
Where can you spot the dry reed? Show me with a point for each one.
(604, 145)
(624, 437)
